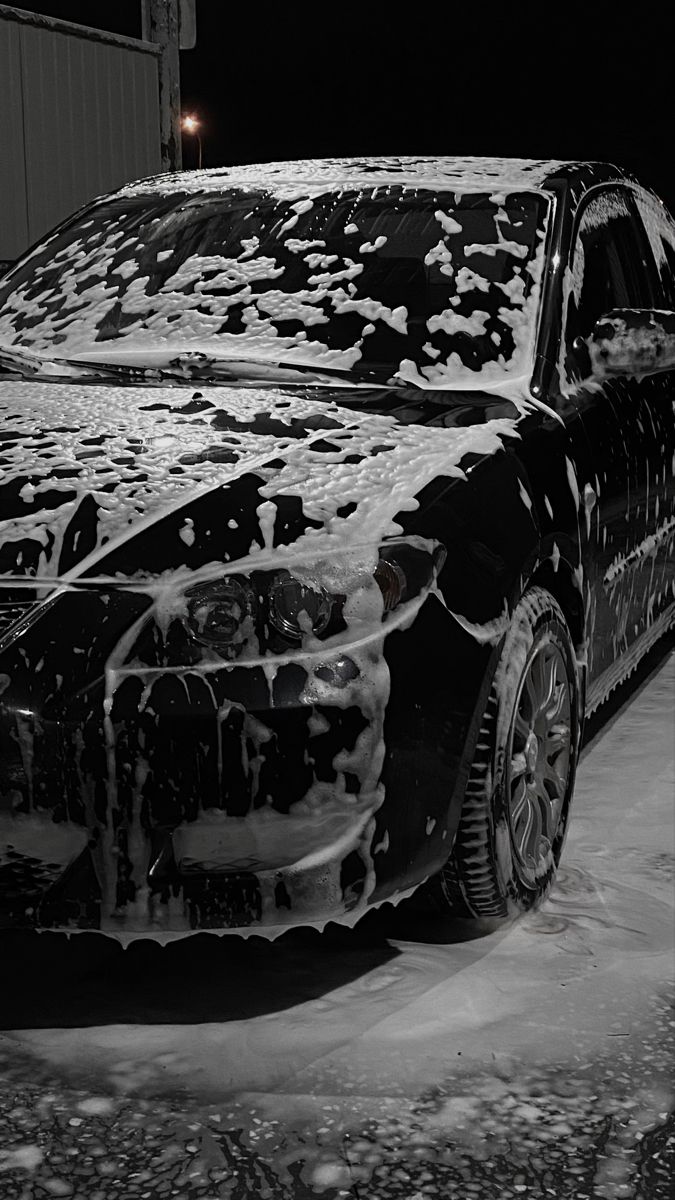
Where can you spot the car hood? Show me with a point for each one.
(185, 476)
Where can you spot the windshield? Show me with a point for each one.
(435, 287)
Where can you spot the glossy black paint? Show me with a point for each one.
(571, 504)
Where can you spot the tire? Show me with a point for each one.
(517, 800)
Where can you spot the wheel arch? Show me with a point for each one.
(559, 577)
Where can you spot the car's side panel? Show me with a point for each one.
(516, 517)
(625, 486)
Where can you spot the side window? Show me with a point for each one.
(660, 230)
(609, 267)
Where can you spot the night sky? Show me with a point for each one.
(532, 81)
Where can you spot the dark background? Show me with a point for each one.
(547, 80)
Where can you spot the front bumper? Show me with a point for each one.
(249, 797)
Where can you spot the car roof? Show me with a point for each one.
(457, 174)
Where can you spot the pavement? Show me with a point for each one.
(412, 1057)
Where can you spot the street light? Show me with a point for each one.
(191, 125)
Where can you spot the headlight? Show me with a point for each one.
(257, 611)
(295, 609)
(391, 580)
(217, 613)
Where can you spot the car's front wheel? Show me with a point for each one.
(516, 806)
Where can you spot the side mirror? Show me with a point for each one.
(633, 341)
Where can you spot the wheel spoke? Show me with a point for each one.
(521, 727)
(521, 832)
(552, 776)
(544, 691)
(557, 738)
(518, 801)
(548, 671)
(558, 702)
(528, 830)
(518, 765)
(537, 822)
(551, 807)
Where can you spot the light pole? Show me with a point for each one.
(191, 125)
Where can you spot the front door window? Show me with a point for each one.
(609, 268)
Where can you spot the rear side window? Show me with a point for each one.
(660, 229)
(609, 267)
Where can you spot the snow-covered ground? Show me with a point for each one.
(407, 1059)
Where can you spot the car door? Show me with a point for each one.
(611, 267)
(656, 570)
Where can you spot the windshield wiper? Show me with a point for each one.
(196, 365)
(33, 366)
(19, 361)
(190, 365)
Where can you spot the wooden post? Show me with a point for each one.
(161, 24)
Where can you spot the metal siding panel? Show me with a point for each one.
(128, 131)
(66, 71)
(126, 104)
(92, 121)
(13, 219)
(137, 92)
(39, 95)
(53, 155)
(138, 162)
(81, 103)
(152, 151)
(106, 124)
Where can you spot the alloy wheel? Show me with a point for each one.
(538, 758)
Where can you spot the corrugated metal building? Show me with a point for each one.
(81, 115)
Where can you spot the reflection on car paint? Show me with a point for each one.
(150, 782)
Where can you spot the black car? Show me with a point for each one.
(334, 495)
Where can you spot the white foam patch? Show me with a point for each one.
(289, 179)
(134, 437)
(389, 464)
